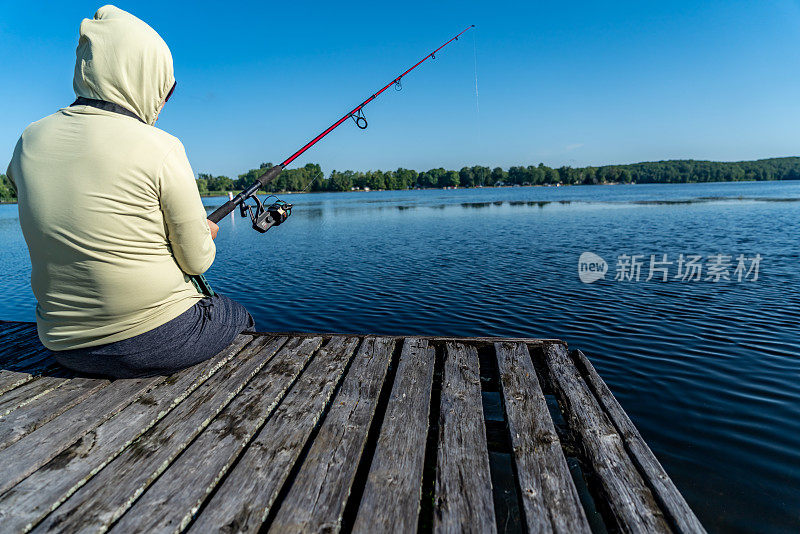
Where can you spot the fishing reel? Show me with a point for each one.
(263, 217)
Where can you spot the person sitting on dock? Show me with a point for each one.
(112, 217)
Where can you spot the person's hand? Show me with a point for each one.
(214, 229)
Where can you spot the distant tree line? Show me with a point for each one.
(7, 191)
(312, 178)
(673, 171)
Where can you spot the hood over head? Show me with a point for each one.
(121, 59)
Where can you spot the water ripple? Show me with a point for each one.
(708, 371)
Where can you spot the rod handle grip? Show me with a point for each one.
(222, 211)
(269, 175)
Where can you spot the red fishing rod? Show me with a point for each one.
(264, 218)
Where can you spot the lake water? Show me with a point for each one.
(709, 371)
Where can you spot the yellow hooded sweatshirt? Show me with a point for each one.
(108, 204)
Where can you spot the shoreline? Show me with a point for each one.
(236, 191)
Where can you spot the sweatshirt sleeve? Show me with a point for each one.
(184, 214)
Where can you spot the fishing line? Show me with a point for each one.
(475, 50)
(478, 130)
(357, 114)
(265, 217)
(311, 182)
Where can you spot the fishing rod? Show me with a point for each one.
(357, 114)
(264, 218)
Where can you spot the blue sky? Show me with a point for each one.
(575, 83)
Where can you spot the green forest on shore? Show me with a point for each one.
(672, 171)
(311, 177)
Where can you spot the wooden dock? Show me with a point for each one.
(329, 433)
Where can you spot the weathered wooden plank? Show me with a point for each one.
(27, 393)
(319, 493)
(24, 505)
(19, 423)
(463, 483)
(41, 364)
(13, 379)
(86, 457)
(628, 496)
(106, 496)
(549, 498)
(672, 502)
(169, 504)
(391, 499)
(47, 441)
(243, 500)
(480, 341)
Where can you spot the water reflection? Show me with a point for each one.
(707, 371)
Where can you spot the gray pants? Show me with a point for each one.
(194, 336)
